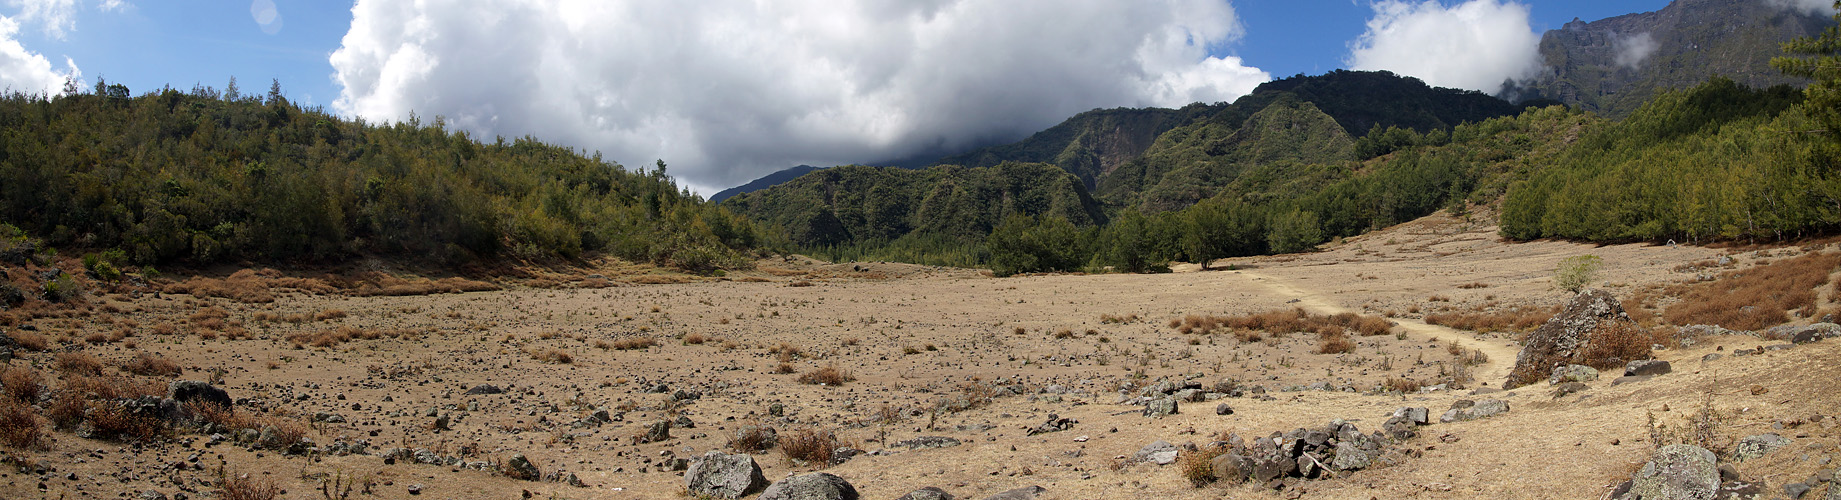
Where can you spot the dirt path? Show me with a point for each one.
(1501, 357)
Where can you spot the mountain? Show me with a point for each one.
(767, 181)
(1089, 145)
(1195, 161)
(856, 204)
(1612, 66)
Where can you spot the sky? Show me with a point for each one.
(726, 91)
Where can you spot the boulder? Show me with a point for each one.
(1647, 367)
(927, 442)
(658, 431)
(184, 391)
(1023, 493)
(1416, 415)
(1564, 338)
(1564, 389)
(1815, 332)
(1464, 409)
(1160, 407)
(927, 493)
(1224, 409)
(1757, 446)
(813, 486)
(1160, 453)
(484, 389)
(519, 467)
(1054, 424)
(1677, 472)
(1231, 468)
(721, 475)
(1349, 456)
(1572, 373)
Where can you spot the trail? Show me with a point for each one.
(1501, 357)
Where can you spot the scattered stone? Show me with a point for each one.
(927, 493)
(415, 489)
(721, 475)
(1572, 373)
(1630, 379)
(1465, 409)
(927, 442)
(484, 389)
(1224, 409)
(1416, 415)
(1710, 357)
(1757, 446)
(658, 431)
(1568, 388)
(1231, 468)
(1646, 367)
(1054, 424)
(1023, 493)
(1676, 472)
(1564, 338)
(813, 486)
(1795, 490)
(1350, 456)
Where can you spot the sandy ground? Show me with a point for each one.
(913, 336)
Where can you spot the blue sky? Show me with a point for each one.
(728, 90)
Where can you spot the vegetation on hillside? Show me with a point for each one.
(211, 176)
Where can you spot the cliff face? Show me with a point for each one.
(1612, 66)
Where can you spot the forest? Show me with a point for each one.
(206, 176)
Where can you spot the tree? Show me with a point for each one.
(231, 93)
(1824, 66)
(1576, 272)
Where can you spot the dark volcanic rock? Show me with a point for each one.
(1565, 337)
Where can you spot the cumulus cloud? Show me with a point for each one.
(727, 90)
(1634, 49)
(1477, 45)
(1811, 7)
(22, 70)
(56, 17)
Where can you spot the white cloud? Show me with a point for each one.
(56, 17)
(1474, 45)
(727, 90)
(22, 70)
(1634, 49)
(1811, 7)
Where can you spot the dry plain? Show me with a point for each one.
(912, 337)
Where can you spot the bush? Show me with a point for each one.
(557, 356)
(754, 439)
(828, 375)
(1755, 298)
(63, 289)
(19, 426)
(149, 365)
(1577, 272)
(1615, 343)
(21, 384)
(1198, 466)
(242, 487)
(78, 363)
(812, 447)
(1334, 343)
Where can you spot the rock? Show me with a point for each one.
(1757, 446)
(658, 431)
(519, 467)
(1646, 367)
(1023, 493)
(1711, 357)
(484, 389)
(683, 422)
(441, 422)
(813, 486)
(152, 495)
(1156, 452)
(1815, 332)
(1401, 428)
(1572, 373)
(1564, 389)
(927, 442)
(721, 475)
(1054, 424)
(1349, 456)
(1160, 407)
(927, 493)
(1467, 410)
(1224, 409)
(1795, 490)
(776, 410)
(415, 489)
(1630, 380)
(185, 391)
(1563, 339)
(1416, 415)
(1676, 472)
(1231, 468)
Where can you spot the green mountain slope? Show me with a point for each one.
(194, 177)
(1598, 66)
(1197, 160)
(1089, 145)
(854, 205)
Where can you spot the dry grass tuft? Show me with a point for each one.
(557, 356)
(814, 447)
(150, 365)
(1198, 466)
(19, 425)
(1615, 343)
(1755, 298)
(21, 384)
(694, 339)
(1517, 319)
(784, 369)
(242, 487)
(31, 341)
(78, 363)
(828, 375)
(1334, 343)
(329, 314)
(1402, 385)
(754, 439)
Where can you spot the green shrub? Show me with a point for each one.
(1576, 272)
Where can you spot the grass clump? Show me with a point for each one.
(754, 439)
(21, 384)
(78, 363)
(150, 365)
(816, 447)
(19, 425)
(827, 375)
(1577, 272)
(1198, 466)
(556, 356)
(633, 343)
(1754, 298)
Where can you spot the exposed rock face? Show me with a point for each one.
(814, 486)
(1647, 368)
(1677, 472)
(1572, 373)
(1465, 409)
(721, 475)
(927, 493)
(1564, 339)
(1160, 407)
(521, 468)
